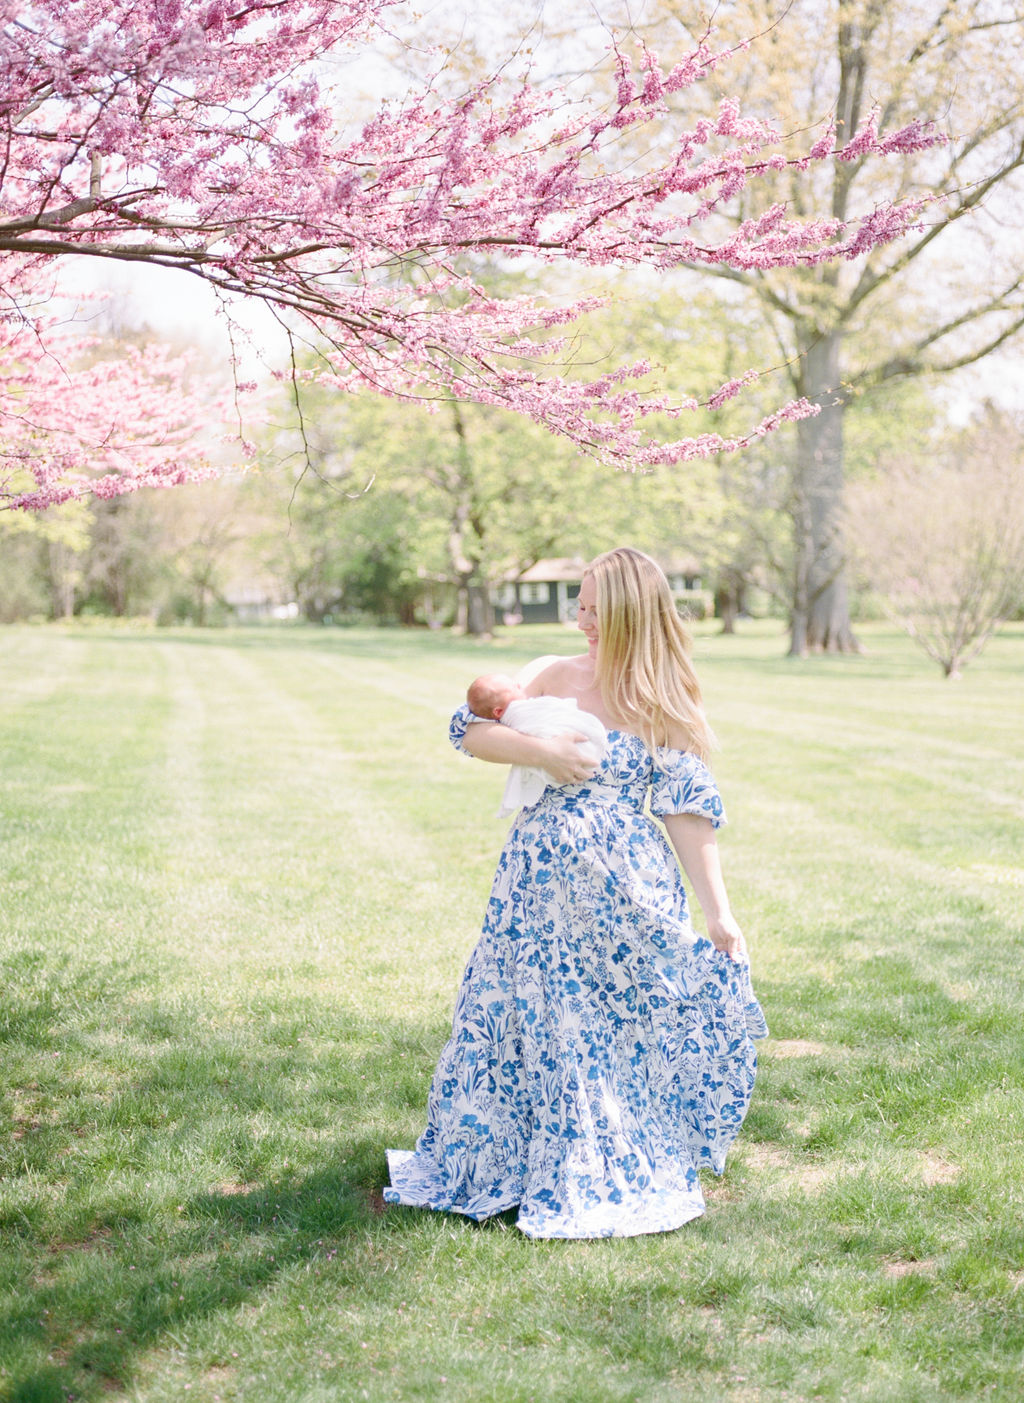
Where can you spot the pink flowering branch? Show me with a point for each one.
(197, 136)
(73, 424)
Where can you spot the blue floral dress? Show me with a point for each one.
(601, 1051)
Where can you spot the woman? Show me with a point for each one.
(601, 1051)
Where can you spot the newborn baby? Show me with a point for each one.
(495, 697)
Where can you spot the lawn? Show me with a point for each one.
(241, 871)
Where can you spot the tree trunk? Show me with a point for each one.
(466, 532)
(798, 633)
(62, 581)
(479, 614)
(820, 483)
(729, 601)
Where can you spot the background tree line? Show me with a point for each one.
(368, 508)
(363, 509)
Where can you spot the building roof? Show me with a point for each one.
(570, 568)
(680, 565)
(562, 567)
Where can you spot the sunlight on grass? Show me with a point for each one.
(241, 873)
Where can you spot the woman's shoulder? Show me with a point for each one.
(526, 674)
(678, 738)
(551, 674)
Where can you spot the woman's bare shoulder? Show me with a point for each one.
(679, 738)
(533, 669)
(549, 675)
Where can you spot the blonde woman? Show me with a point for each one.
(602, 1051)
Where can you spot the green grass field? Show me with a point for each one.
(241, 872)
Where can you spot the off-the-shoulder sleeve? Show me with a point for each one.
(682, 784)
(461, 719)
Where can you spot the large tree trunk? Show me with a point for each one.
(474, 613)
(466, 532)
(730, 592)
(798, 634)
(726, 609)
(820, 485)
(479, 614)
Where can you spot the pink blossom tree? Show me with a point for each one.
(76, 421)
(199, 137)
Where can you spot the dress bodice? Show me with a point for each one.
(623, 776)
(677, 781)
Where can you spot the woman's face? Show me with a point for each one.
(586, 613)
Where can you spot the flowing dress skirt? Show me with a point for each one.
(601, 1052)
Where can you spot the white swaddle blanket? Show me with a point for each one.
(546, 717)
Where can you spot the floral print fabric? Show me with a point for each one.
(601, 1052)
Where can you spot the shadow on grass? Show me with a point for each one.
(118, 1255)
(105, 1271)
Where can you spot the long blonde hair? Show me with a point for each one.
(643, 652)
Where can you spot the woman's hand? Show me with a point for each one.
(564, 761)
(693, 838)
(559, 756)
(725, 934)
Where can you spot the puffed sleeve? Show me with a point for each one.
(682, 784)
(461, 719)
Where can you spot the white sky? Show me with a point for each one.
(180, 308)
(183, 309)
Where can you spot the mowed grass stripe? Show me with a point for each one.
(974, 751)
(34, 664)
(288, 865)
(78, 800)
(316, 820)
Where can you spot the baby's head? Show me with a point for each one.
(490, 694)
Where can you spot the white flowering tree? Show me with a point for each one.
(941, 542)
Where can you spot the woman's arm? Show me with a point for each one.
(693, 838)
(559, 756)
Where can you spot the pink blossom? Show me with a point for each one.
(73, 424)
(824, 145)
(730, 390)
(198, 136)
